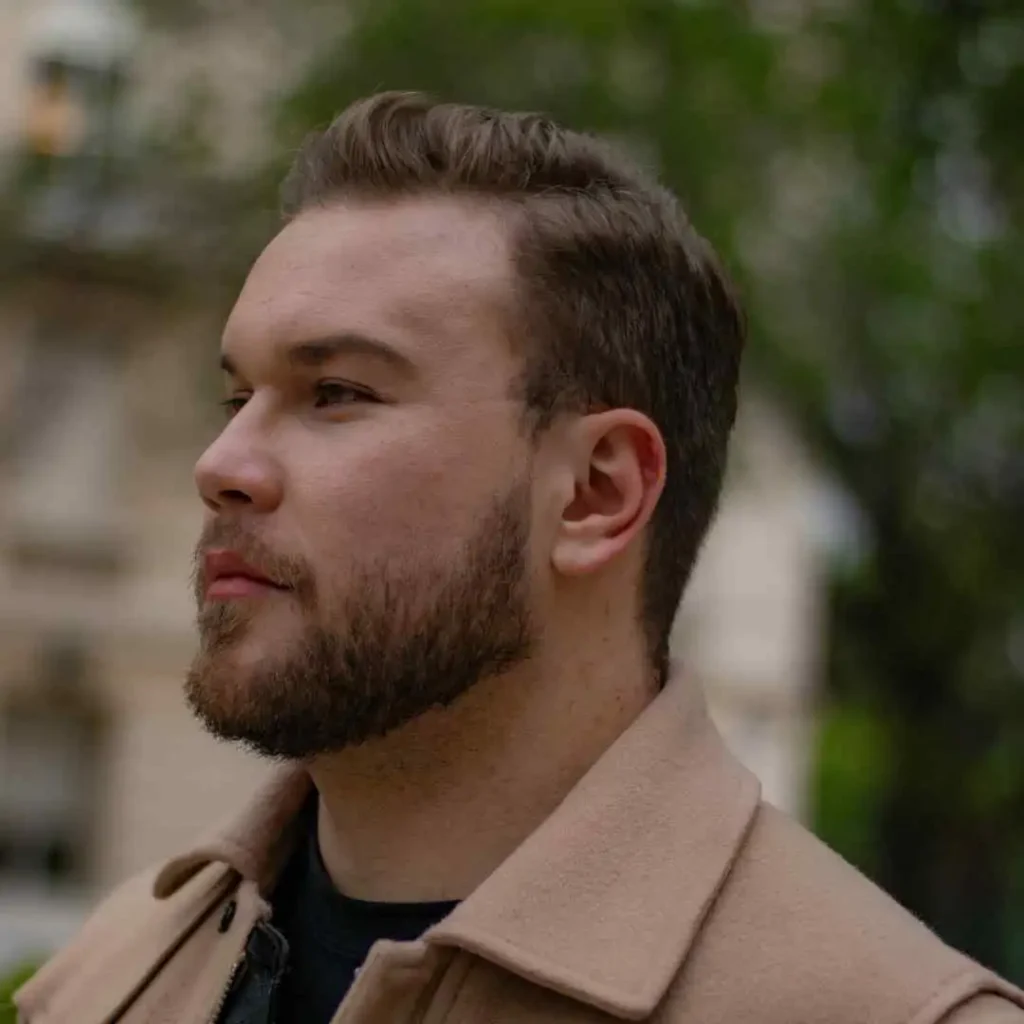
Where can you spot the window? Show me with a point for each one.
(62, 446)
(51, 752)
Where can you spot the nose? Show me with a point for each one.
(235, 473)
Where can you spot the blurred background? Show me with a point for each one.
(858, 613)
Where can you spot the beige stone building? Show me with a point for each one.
(103, 408)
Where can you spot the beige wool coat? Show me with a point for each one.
(661, 889)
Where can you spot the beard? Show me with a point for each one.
(405, 640)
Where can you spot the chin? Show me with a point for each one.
(221, 697)
(216, 681)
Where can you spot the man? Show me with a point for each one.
(479, 391)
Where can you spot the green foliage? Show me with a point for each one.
(854, 771)
(9, 984)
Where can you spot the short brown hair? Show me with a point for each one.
(624, 304)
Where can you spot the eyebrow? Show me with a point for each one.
(308, 355)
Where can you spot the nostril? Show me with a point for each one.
(235, 497)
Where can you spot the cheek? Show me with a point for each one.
(390, 494)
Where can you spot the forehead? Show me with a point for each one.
(431, 276)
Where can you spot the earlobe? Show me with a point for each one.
(619, 478)
(573, 556)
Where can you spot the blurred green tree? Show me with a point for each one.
(9, 984)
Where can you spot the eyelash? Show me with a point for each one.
(326, 386)
(233, 404)
(321, 390)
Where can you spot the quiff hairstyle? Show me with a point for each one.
(621, 302)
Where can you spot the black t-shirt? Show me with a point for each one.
(298, 970)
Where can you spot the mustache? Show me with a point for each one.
(285, 570)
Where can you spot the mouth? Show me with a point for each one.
(229, 577)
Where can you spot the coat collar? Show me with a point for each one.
(605, 899)
(255, 843)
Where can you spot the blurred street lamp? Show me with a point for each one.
(80, 51)
(56, 122)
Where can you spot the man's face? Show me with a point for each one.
(364, 556)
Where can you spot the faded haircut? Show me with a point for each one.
(621, 302)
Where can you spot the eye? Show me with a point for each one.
(330, 393)
(233, 405)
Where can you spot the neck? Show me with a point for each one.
(429, 811)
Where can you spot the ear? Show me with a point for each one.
(619, 467)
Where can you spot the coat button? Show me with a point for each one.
(227, 916)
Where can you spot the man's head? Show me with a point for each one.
(486, 373)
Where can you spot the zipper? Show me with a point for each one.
(223, 998)
(279, 965)
(258, 958)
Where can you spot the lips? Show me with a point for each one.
(228, 575)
